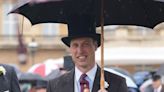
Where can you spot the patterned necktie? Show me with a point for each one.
(84, 84)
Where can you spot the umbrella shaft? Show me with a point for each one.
(102, 45)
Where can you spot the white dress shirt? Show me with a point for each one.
(158, 89)
(90, 78)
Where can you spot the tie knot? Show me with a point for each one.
(83, 81)
(83, 77)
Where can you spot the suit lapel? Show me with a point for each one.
(96, 83)
(162, 88)
(69, 84)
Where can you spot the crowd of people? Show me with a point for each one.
(12, 83)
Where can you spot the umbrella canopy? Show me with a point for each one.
(58, 61)
(29, 78)
(129, 81)
(146, 13)
(141, 76)
(54, 74)
(63, 62)
(40, 12)
(43, 69)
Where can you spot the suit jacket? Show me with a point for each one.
(9, 81)
(65, 83)
(162, 88)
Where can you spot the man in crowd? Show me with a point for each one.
(8, 79)
(83, 41)
(157, 83)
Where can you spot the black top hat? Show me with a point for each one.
(81, 25)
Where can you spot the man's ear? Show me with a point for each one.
(96, 45)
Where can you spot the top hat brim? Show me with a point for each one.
(67, 40)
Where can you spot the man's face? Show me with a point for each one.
(83, 52)
(156, 83)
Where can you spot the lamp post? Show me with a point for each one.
(33, 45)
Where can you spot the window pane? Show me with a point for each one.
(10, 26)
(50, 31)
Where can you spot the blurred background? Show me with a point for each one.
(133, 51)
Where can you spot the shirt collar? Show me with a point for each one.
(91, 73)
(159, 88)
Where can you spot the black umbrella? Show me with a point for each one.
(146, 13)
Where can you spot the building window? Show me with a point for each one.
(10, 22)
(50, 30)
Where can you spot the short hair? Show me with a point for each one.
(156, 77)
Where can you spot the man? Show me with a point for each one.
(83, 41)
(8, 79)
(157, 83)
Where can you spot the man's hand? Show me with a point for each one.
(103, 90)
(86, 90)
